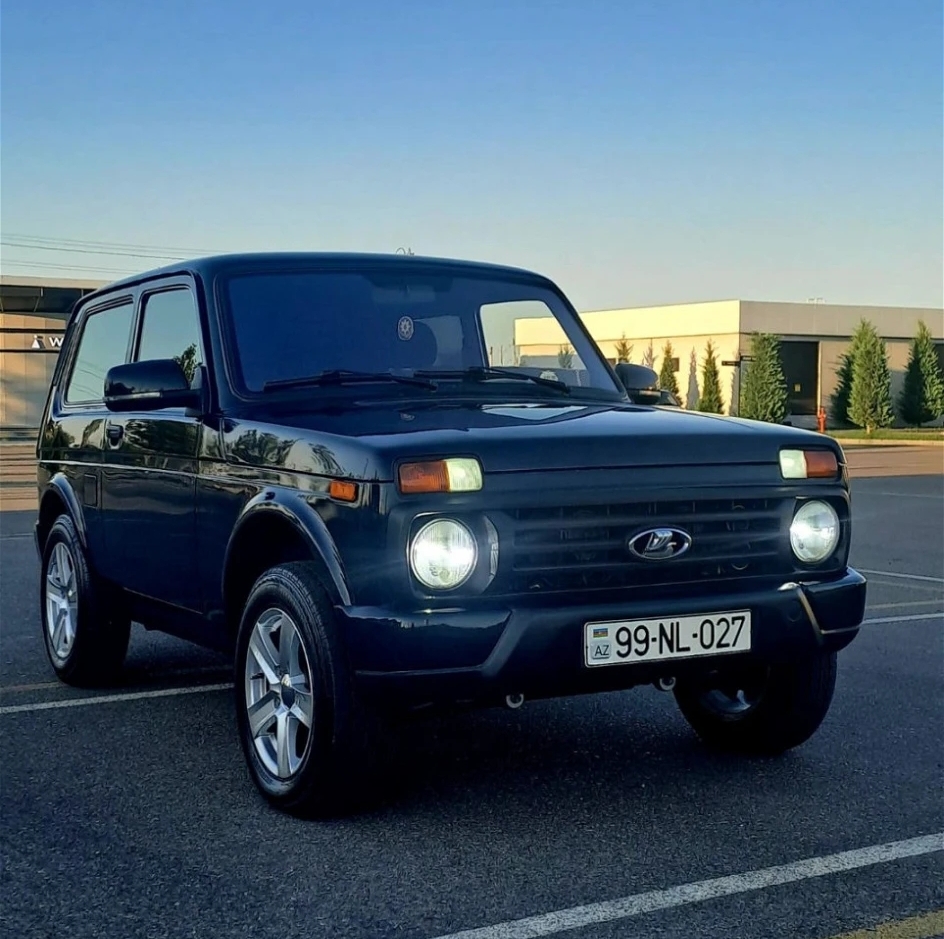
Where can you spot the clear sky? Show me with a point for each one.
(637, 152)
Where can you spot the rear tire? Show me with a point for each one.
(85, 633)
(304, 733)
(760, 711)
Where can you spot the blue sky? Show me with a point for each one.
(637, 152)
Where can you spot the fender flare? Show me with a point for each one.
(294, 509)
(60, 486)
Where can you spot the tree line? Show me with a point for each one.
(862, 398)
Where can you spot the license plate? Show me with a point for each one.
(677, 637)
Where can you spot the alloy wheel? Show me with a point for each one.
(278, 690)
(62, 606)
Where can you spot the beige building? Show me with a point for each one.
(33, 315)
(813, 336)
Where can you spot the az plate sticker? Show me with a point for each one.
(405, 328)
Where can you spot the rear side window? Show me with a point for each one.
(170, 330)
(103, 344)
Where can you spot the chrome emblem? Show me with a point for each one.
(660, 544)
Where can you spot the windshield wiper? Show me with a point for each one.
(343, 376)
(489, 372)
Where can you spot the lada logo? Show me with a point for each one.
(659, 544)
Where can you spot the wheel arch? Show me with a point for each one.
(59, 498)
(275, 528)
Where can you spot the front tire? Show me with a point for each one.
(760, 711)
(304, 733)
(85, 634)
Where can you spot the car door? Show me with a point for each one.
(73, 434)
(150, 461)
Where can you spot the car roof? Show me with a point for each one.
(213, 265)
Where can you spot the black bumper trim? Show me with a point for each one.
(461, 655)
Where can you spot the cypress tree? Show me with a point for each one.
(922, 397)
(764, 395)
(870, 401)
(710, 398)
(667, 377)
(624, 350)
(839, 401)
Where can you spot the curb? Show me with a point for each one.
(856, 442)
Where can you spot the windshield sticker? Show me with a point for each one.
(405, 328)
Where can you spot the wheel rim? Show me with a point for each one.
(62, 607)
(278, 690)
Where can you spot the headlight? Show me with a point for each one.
(814, 532)
(443, 554)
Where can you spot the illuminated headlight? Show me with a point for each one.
(443, 554)
(814, 532)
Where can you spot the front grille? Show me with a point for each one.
(586, 547)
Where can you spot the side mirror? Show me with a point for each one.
(641, 383)
(149, 386)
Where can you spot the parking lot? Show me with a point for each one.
(130, 813)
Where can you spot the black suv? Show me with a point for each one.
(336, 468)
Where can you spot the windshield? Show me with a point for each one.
(292, 325)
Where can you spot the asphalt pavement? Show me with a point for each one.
(136, 817)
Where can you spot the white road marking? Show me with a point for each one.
(577, 917)
(895, 576)
(902, 495)
(913, 618)
(110, 698)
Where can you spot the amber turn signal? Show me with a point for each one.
(808, 464)
(452, 475)
(342, 490)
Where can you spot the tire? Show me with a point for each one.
(322, 769)
(781, 706)
(85, 632)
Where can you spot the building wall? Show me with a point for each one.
(828, 320)
(25, 374)
(730, 323)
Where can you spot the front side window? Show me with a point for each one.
(294, 325)
(103, 344)
(170, 329)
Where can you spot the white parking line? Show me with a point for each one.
(109, 698)
(895, 576)
(577, 917)
(902, 495)
(913, 618)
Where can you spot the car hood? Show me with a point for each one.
(366, 443)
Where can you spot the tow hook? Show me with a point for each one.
(514, 701)
(665, 684)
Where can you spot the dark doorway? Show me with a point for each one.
(801, 370)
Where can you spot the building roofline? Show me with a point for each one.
(656, 306)
(683, 303)
(17, 280)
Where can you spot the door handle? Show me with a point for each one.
(114, 432)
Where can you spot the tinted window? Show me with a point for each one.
(296, 324)
(104, 343)
(170, 330)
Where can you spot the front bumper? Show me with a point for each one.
(482, 655)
